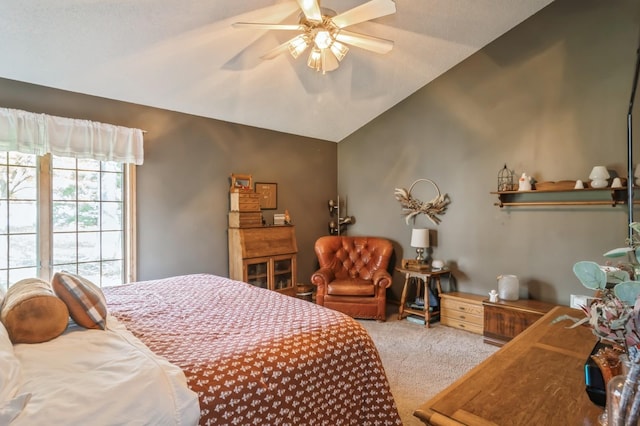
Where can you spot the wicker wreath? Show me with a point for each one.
(412, 207)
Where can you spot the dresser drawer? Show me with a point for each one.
(245, 202)
(462, 307)
(473, 327)
(462, 310)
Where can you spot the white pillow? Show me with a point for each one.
(9, 367)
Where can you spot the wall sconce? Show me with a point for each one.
(420, 240)
(339, 226)
(333, 206)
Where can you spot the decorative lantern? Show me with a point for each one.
(505, 179)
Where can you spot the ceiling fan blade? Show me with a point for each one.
(278, 50)
(365, 12)
(311, 9)
(261, 26)
(374, 44)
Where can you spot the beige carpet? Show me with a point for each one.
(420, 362)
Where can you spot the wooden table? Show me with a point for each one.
(535, 379)
(425, 276)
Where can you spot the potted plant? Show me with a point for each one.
(614, 317)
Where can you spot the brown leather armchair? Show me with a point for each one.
(353, 276)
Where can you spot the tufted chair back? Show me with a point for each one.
(353, 275)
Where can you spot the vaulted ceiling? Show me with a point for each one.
(184, 55)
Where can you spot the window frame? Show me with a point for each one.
(44, 232)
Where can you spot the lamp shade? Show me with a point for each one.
(599, 173)
(420, 238)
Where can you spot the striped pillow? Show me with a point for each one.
(86, 302)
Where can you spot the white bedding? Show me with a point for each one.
(96, 377)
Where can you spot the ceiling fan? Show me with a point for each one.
(323, 30)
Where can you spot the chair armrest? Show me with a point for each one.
(322, 277)
(382, 278)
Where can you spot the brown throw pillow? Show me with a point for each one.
(86, 302)
(31, 313)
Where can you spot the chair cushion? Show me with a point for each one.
(31, 312)
(351, 287)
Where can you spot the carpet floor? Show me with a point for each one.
(420, 362)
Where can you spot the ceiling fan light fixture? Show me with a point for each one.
(339, 50)
(323, 39)
(298, 45)
(324, 31)
(315, 59)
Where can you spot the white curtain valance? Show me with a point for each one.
(39, 134)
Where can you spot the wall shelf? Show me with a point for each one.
(563, 197)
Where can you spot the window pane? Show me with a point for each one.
(4, 252)
(88, 186)
(112, 166)
(23, 217)
(64, 216)
(64, 248)
(64, 185)
(88, 216)
(70, 267)
(87, 164)
(90, 271)
(22, 251)
(112, 187)
(63, 163)
(16, 275)
(112, 245)
(112, 273)
(22, 183)
(4, 217)
(111, 216)
(20, 159)
(3, 181)
(88, 246)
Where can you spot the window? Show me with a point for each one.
(65, 214)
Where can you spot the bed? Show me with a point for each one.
(256, 357)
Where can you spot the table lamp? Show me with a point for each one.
(420, 240)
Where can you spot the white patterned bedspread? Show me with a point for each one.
(256, 357)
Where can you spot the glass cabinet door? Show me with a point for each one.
(282, 273)
(258, 273)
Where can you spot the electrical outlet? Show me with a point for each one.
(579, 300)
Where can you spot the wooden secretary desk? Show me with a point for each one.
(264, 256)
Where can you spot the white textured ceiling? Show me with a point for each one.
(183, 55)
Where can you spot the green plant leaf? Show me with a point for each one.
(618, 252)
(627, 291)
(617, 276)
(590, 275)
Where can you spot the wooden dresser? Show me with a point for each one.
(462, 310)
(504, 319)
(535, 379)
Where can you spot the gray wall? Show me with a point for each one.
(183, 185)
(549, 98)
